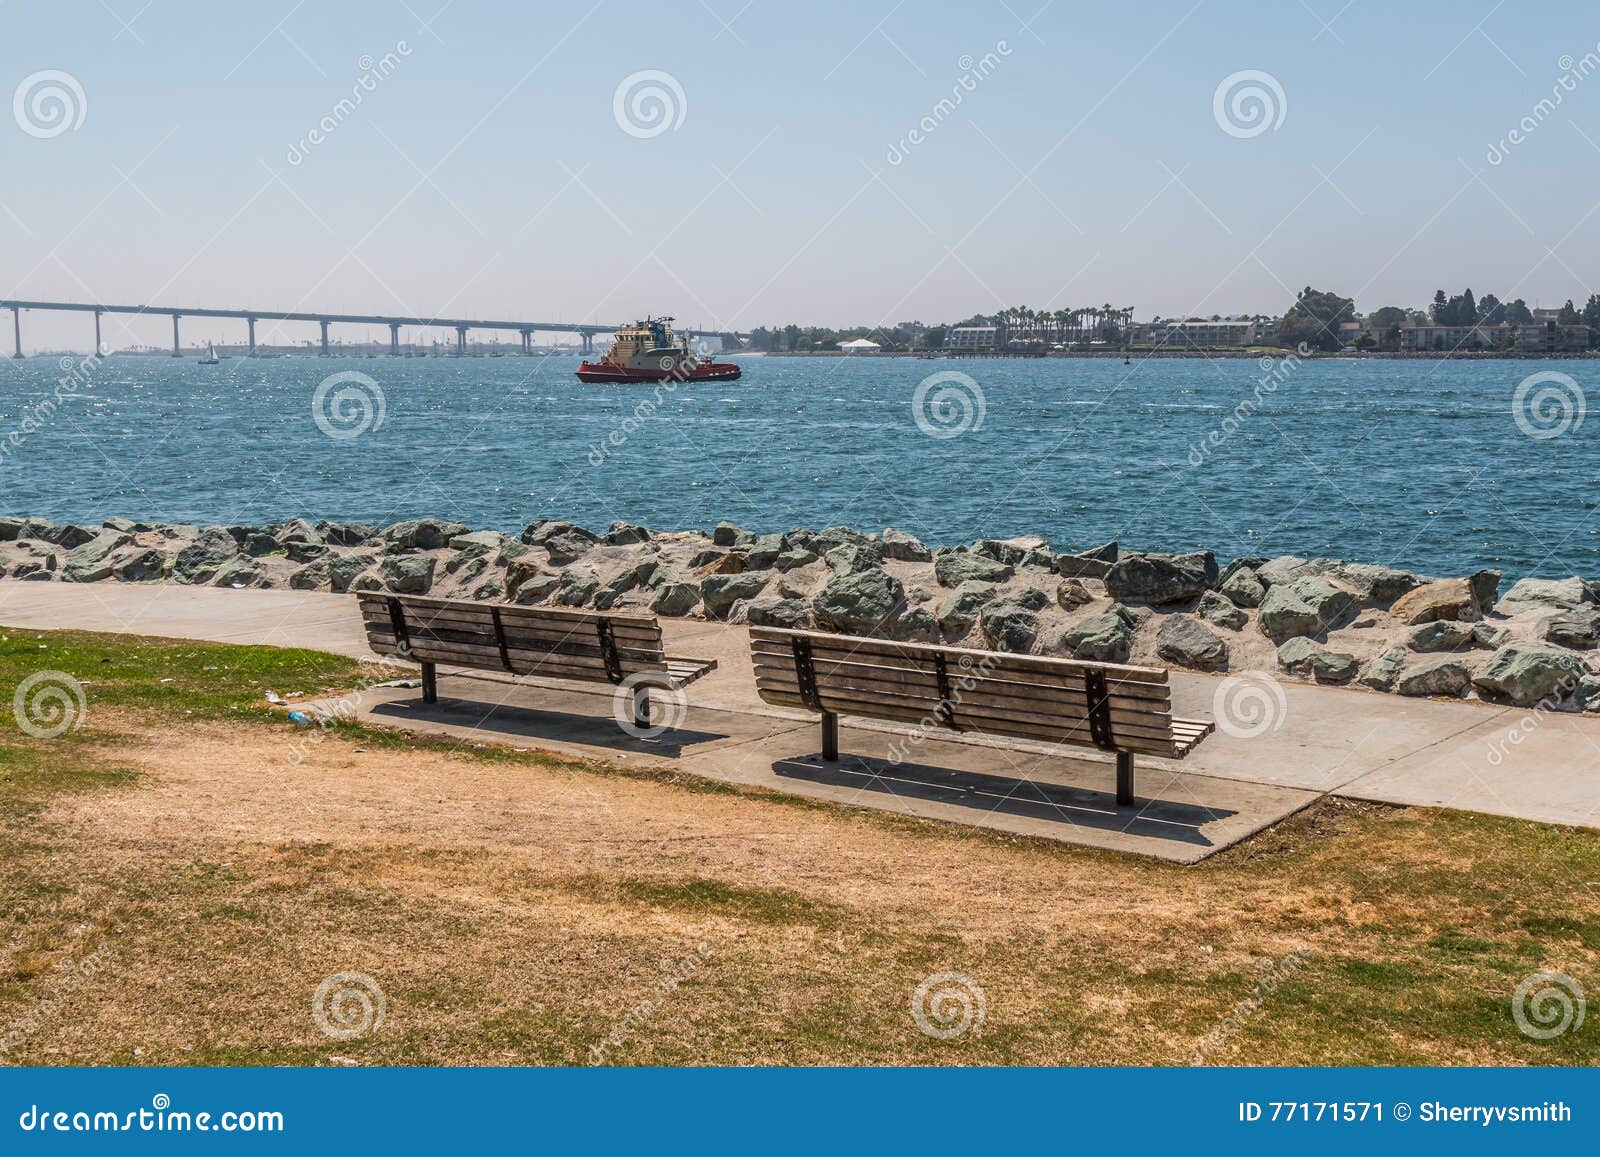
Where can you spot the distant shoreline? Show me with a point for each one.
(1251, 353)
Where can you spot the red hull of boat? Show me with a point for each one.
(704, 372)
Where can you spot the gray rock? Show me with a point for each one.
(300, 551)
(1186, 642)
(1102, 638)
(1010, 552)
(1534, 594)
(1072, 594)
(408, 574)
(91, 561)
(534, 590)
(1384, 670)
(915, 626)
(1283, 569)
(720, 591)
(1077, 566)
(31, 571)
(727, 534)
(903, 547)
(1038, 559)
(957, 567)
(626, 534)
(795, 557)
(1162, 579)
(342, 570)
(1579, 629)
(238, 571)
(1377, 585)
(1490, 636)
(314, 577)
(791, 613)
(487, 539)
(1296, 655)
(959, 610)
(144, 564)
(1485, 588)
(577, 587)
(853, 558)
(1243, 588)
(1307, 605)
(858, 603)
(201, 559)
(764, 552)
(1216, 609)
(349, 533)
(368, 582)
(1440, 635)
(709, 557)
(675, 599)
(1525, 674)
(67, 537)
(423, 534)
(295, 530)
(1435, 677)
(12, 529)
(1007, 625)
(1336, 667)
(1029, 598)
(257, 543)
(1105, 552)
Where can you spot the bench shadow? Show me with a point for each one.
(505, 719)
(1060, 803)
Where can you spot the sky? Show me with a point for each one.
(798, 166)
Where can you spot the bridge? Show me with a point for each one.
(461, 325)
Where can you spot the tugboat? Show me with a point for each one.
(647, 351)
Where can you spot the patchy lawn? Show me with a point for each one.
(182, 871)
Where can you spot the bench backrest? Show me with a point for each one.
(1111, 706)
(594, 646)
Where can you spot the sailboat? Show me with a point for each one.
(211, 357)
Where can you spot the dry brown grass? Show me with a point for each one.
(517, 910)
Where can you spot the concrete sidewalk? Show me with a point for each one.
(1348, 742)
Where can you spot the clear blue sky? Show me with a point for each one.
(488, 175)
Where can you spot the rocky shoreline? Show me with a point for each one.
(1322, 620)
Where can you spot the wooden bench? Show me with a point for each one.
(1109, 706)
(586, 646)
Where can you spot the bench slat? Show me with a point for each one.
(486, 656)
(479, 616)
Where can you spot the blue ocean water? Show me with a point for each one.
(1419, 463)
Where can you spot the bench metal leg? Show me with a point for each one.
(641, 706)
(830, 736)
(1124, 779)
(430, 683)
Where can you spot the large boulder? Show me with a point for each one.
(903, 547)
(794, 557)
(295, 530)
(298, 550)
(566, 542)
(859, 603)
(1296, 655)
(1377, 585)
(66, 536)
(953, 568)
(854, 557)
(1524, 674)
(349, 533)
(727, 534)
(1214, 608)
(577, 588)
(764, 552)
(1534, 594)
(1244, 588)
(423, 534)
(1072, 594)
(1450, 599)
(1308, 605)
(1440, 635)
(91, 561)
(960, 608)
(1485, 586)
(791, 613)
(238, 571)
(1384, 671)
(343, 569)
(1284, 569)
(626, 534)
(1186, 642)
(720, 591)
(408, 574)
(1162, 579)
(201, 559)
(144, 564)
(1435, 677)
(1578, 629)
(1008, 625)
(1102, 638)
(1336, 667)
(485, 539)
(675, 598)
